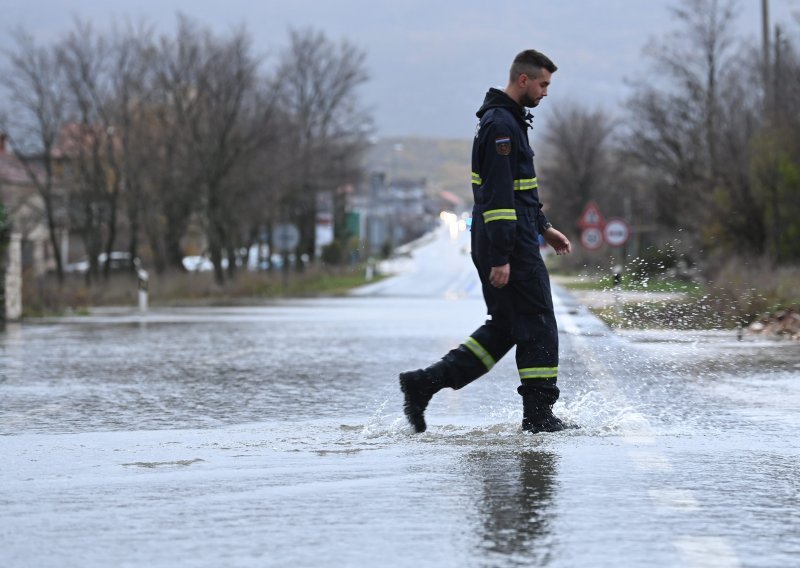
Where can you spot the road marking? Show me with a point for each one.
(675, 499)
(650, 461)
(639, 439)
(696, 550)
(707, 551)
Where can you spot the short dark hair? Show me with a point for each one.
(530, 62)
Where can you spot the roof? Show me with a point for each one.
(11, 170)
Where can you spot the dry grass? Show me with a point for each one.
(741, 292)
(744, 290)
(43, 295)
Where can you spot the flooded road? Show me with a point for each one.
(274, 436)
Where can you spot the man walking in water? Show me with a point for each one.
(507, 218)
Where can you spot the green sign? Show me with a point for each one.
(352, 222)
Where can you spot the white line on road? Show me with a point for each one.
(707, 551)
(650, 461)
(674, 499)
(695, 550)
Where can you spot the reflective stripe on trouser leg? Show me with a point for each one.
(477, 355)
(537, 356)
(480, 352)
(532, 373)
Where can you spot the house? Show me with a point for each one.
(26, 211)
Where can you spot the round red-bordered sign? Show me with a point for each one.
(592, 238)
(616, 232)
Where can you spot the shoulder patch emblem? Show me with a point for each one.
(503, 145)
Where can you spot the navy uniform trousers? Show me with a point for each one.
(520, 314)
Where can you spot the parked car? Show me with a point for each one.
(197, 264)
(120, 260)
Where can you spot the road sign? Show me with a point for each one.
(591, 216)
(592, 238)
(285, 236)
(616, 232)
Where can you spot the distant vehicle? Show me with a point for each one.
(120, 260)
(250, 259)
(197, 264)
(201, 263)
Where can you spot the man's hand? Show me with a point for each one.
(558, 241)
(498, 276)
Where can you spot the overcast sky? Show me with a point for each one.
(430, 62)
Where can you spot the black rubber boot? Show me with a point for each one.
(419, 387)
(537, 414)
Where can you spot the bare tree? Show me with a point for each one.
(703, 48)
(173, 178)
(663, 139)
(718, 141)
(35, 84)
(676, 123)
(108, 87)
(775, 150)
(186, 133)
(131, 73)
(222, 112)
(89, 143)
(580, 167)
(319, 80)
(736, 215)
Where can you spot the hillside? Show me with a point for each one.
(444, 163)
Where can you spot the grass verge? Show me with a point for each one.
(741, 292)
(43, 296)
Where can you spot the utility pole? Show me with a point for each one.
(776, 74)
(765, 43)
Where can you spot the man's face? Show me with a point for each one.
(535, 88)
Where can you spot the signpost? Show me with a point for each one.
(285, 238)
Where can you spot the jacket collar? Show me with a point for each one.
(495, 98)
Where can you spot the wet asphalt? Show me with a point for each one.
(273, 435)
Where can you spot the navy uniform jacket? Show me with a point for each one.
(504, 185)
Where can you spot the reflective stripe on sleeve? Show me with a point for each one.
(499, 215)
(538, 373)
(479, 352)
(525, 184)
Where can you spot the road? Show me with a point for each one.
(273, 436)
